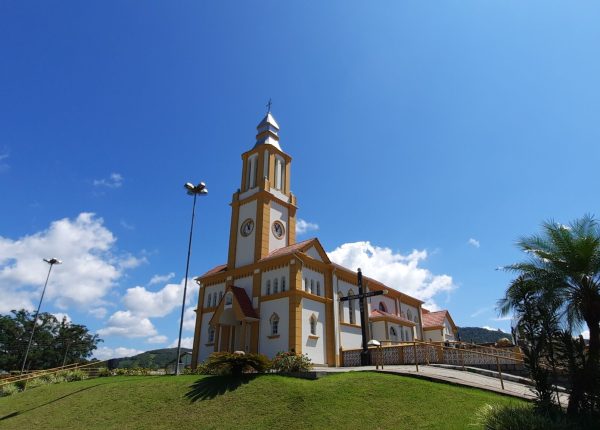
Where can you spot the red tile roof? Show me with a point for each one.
(434, 319)
(376, 313)
(244, 302)
(217, 269)
(288, 249)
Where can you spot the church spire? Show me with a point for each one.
(267, 130)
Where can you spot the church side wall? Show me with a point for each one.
(205, 350)
(390, 303)
(344, 287)
(279, 274)
(218, 289)
(379, 332)
(351, 337)
(316, 277)
(314, 346)
(245, 244)
(269, 345)
(435, 335)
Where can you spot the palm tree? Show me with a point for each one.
(564, 268)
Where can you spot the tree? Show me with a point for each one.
(563, 269)
(54, 342)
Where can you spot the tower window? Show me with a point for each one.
(274, 320)
(252, 171)
(279, 173)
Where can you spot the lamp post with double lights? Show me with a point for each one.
(192, 190)
(51, 262)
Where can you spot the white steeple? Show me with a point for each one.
(267, 131)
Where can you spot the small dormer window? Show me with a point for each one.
(228, 299)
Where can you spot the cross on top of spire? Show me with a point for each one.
(269, 106)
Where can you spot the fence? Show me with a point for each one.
(37, 373)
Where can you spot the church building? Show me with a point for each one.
(275, 294)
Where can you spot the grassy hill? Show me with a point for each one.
(481, 335)
(355, 400)
(155, 359)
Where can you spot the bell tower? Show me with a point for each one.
(263, 210)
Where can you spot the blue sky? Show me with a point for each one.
(437, 132)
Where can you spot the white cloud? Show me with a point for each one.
(158, 279)
(143, 302)
(473, 242)
(59, 316)
(186, 342)
(479, 312)
(126, 225)
(303, 226)
(157, 339)
(98, 312)
(124, 323)
(105, 353)
(189, 319)
(115, 180)
(401, 272)
(89, 271)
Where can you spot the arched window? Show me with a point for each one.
(409, 314)
(318, 288)
(282, 284)
(340, 307)
(313, 325)
(211, 334)
(393, 334)
(220, 296)
(268, 287)
(279, 173)
(306, 284)
(275, 286)
(382, 307)
(312, 286)
(351, 308)
(228, 299)
(274, 320)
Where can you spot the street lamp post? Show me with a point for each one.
(192, 190)
(51, 262)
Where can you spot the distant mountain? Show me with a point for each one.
(156, 359)
(481, 335)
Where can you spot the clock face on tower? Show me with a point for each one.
(247, 227)
(278, 229)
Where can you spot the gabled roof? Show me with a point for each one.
(244, 302)
(376, 313)
(436, 319)
(217, 269)
(299, 247)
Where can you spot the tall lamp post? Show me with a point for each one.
(192, 190)
(51, 262)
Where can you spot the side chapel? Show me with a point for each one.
(276, 294)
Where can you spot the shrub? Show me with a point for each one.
(513, 417)
(226, 363)
(291, 362)
(8, 390)
(201, 369)
(71, 375)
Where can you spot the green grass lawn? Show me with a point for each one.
(356, 400)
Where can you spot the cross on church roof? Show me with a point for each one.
(269, 106)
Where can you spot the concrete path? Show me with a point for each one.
(452, 376)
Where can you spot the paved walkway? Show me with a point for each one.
(452, 376)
